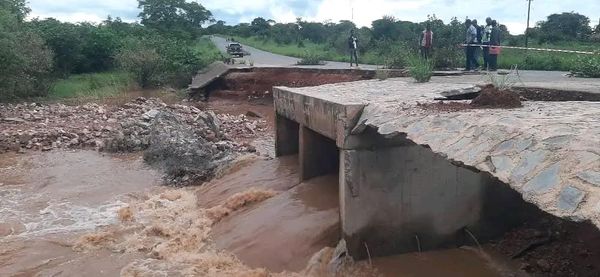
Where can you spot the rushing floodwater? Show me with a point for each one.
(50, 199)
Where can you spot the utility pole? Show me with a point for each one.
(527, 30)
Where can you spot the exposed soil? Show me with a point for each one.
(550, 246)
(491, 97)
(541, 94)
(259, 82)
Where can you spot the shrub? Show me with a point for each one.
(420, 69)
(505, 81)
(447, 58)
(587, 66)
(25, 62)
(143, 62)
(311, 58)
(161, 61)
(396, 57)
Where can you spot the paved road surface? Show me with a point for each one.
(266, 59)
(528, 78)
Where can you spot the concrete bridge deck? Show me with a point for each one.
(548, 152)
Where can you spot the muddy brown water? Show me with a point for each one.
(50, 199)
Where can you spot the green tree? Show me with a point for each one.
(565, 26)
(175, 17)
(385, 28)
(18, 8)
(260, 27)
(218, 28)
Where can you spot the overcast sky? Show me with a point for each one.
(512, 13)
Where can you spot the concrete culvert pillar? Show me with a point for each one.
(286, 136)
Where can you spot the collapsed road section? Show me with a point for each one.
(256, 81)
(413, 178)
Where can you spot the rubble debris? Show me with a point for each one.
(126, 128)
(184, 154)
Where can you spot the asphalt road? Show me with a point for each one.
(527, 78)
(266, 59)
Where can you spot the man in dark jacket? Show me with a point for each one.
(477, 49)
(495, 39)
(353, 46)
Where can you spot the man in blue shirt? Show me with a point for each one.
(471, 38)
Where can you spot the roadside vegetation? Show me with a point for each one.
(46, 58)
(91, 85)
(420, 69)
(388, 41)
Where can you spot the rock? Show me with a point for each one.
(529, 161)
(592, 177)
(545, 181)
(544, 265)
(14, 120)
(569, 199)
(150, 115)
(460, 94)
(253, 114)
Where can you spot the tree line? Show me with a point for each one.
(161, 49)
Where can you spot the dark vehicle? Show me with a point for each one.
(235, 49)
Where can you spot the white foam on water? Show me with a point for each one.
(57, 217)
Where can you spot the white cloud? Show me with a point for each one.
(512, 13)
(364, 12)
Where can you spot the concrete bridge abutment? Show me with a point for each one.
(395, 196)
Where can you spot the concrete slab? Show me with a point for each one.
(209, 74)
(540, 150)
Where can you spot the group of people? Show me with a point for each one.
(479, 39)
(486, 38)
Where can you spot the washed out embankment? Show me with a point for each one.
(258, 82)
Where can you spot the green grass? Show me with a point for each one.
(548, 61)
(93, 86)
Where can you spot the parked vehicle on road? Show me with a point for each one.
(235, 49)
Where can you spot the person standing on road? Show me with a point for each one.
(353, 46)
(426, 42)
(485, 40)
(477, 49)
(471, 37)
(495, 40)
